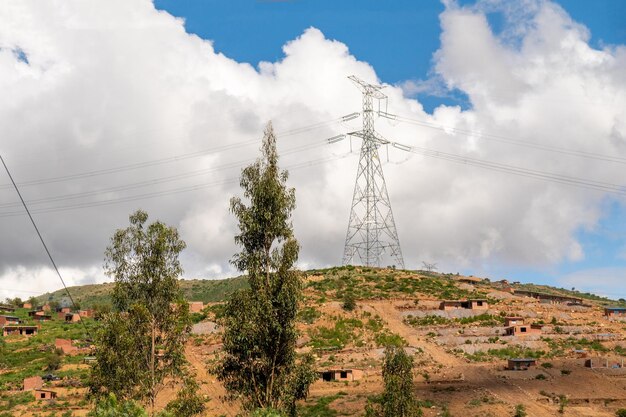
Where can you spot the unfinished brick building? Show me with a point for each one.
(521, 364)
(44, 394)
(65, 345)
(19, 330)
(341, 375)
(478, 304)
(5, 320)
(615, 312)
(524, 330)
(34, 382)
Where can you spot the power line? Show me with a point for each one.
(172, 159)
(173, 191)
(516, 170)
(17, 190)
(507, 140)
(155, 181)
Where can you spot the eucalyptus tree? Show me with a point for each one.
(142, 343)
(260, 364)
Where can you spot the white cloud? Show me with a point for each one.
(108, 84)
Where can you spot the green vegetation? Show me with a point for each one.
(504, 353)
(435, 320)
(25, 357)
(370, 283)
(142, 343)
(621, 412)
(520, 411)
(205, 290)
(348, 330)
(260, 364)
(430, 320)
(397, 399)
(308, 315)
(321, 407)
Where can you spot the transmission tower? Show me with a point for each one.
(371, 228)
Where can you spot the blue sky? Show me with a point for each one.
(399, 39)
(546, 79)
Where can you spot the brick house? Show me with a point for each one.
(5, 320)
(44, 394)
(34, 382)
(513, 321)
(524, 330)
(611, 312)
(19, 330)
(341, 375)
(521, 364)
(478, 304)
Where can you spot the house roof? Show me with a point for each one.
(616, 308)
(523, 360)
(10, 317)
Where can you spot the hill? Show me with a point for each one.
(350, 314)
(203, 290)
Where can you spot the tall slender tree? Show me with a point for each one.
(260, 364)
(143, 341)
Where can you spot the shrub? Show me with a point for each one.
(349, 303)
(621, 412)
(540, 377)
(520, 411)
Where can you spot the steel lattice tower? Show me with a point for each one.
(371, 228)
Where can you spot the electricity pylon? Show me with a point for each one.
(371, 228)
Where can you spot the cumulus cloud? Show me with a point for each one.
(151, 116)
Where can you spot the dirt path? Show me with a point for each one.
(209, 385)
(475, 375)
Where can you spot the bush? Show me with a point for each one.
(621, 412)
(547, 365)
(349, 303)
(53, 362)
(540, 377)
(520, 411)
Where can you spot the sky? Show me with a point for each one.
(515, 113)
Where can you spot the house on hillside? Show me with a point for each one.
(19, 330)
(479, 304)
(71, 317)
(42, 317)
(524, 330)
(89, 313)
(521, 364)
(468, 280)
(5, 320)
(513, 321)
(7, 308)
(341, 375)
(44, 394)
(615, 312)
(549, 298)
(27, 305)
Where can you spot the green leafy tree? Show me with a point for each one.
(260, 364)
(143, 342)
(397, 400)
(111, 407)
